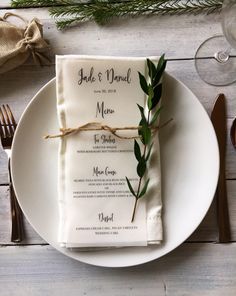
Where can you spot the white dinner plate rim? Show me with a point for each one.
(152, 256)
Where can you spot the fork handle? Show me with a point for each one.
(16, 213)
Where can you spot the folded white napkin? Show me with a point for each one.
(94, 201)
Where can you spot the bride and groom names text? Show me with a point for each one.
(109, 75)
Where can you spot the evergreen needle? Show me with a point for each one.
(71, 12)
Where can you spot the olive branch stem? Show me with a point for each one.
(140, 179)
(152, 87)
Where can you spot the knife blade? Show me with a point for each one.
(218, 118)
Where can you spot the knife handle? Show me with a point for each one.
(222, 210)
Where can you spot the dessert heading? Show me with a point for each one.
(109, 75)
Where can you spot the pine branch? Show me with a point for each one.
(45, 3)
(36, 3)
(99, 11)
(70, 12)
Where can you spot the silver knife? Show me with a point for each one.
(218, 118)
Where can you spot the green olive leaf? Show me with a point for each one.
(155, 116)
(130, 187)
(137, 151)
(144, 189)
(141, 167)
(140, 131)
(150, 91)
(146, 133)
(151, 69)
(149, 103)
(157, 95)
(160, 69)
(141, 109)
(149, 152)
(143, 83)
(150, 97)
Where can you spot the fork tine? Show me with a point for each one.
(8, 119)
(8, 127)
(5, 114)
(11, 116)
(2, 134)
(3, 124)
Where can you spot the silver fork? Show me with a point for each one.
(7, 130)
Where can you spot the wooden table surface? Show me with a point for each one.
(200, 266)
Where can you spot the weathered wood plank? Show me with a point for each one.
(5, 4)
(185, 71)
(192, 269)
(31, 237)
(207, 231)
(129, 36)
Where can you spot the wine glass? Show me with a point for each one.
(215, 59)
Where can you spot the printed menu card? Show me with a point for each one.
(95, 202)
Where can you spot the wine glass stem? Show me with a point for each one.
(223, 56)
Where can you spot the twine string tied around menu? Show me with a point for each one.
(96, 126)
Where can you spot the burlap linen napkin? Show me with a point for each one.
(18, 43)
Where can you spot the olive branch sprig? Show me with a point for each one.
(152, 87)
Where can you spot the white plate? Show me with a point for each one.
(190, 165)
